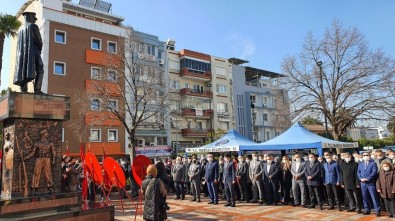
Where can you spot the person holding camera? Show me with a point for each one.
(155, 193)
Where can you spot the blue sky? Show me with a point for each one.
(261, 31)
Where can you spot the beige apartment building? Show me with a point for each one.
(202, 88)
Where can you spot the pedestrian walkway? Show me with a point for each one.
(186, 210)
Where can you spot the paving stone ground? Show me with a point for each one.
(186, 210)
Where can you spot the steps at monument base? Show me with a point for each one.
(72, 214)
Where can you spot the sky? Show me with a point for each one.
(260, 31)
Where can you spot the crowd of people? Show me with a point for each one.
(354, 182)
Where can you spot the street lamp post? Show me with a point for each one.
(319, 63)
(211, 113)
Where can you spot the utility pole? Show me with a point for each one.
(319, 63)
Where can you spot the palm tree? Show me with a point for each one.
(9, 26)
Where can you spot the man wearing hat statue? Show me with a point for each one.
(45, 153)
(29, 65)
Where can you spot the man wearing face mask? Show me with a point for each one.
(298, 181)
(351, 183)
(256, 179)
(229, 181)
(271, 183)
(391, 156)
(178, 173)
(313, 173)
(242, 177)
(331, 180)
(367, 174)
(211, 177)
(187, 163)
(380, 158)
(194, 177)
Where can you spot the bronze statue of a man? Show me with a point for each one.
(45, 153)
(29, 65)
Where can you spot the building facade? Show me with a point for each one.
(358, 133)
(76, 40)
(262, 109)
(201, 87)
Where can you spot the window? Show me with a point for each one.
(112, 105)
(220, 70)
(265, 117)
(60, 37)
(96, 44)
(221, 89)
(151, 50)
(174, 84)
(112, 47)
(175, 65)
(59, 68)
(112, 135)
(95, 73)
(160, 54)
(95, 104)
(186, 85)
(95, 135)
(253, 98)
(112, 75)
(222, 107)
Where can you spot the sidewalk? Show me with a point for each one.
(186, 210)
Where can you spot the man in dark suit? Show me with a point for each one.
(271, 182)
(331, 180)
(229, 181)
(242, 178)
(194, 177)
(367, 174)
(351, 183)
(298, 181)
(178, 173)
(211, 177)
(255, 172)
(314, 183)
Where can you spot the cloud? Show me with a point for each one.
(241, 46)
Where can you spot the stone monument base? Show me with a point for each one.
(60, 207)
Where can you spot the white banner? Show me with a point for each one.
(199, 111)
(212, 149)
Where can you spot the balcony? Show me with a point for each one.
(195, 132)
(196, 93)
(191, 113)
(196, 75)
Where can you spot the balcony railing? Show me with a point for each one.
(195, 132)
(185, 72)
(189, 112)
(196, 93)
(224, 115)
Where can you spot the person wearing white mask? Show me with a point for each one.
(351, 183)
(179, 176)
(256, 171)
(211, 177)
(242, 178)
(367, 174)
(229, 180)
(298, 181)
(314, 182)
(386, 187)
(271, 182)
(331, 180)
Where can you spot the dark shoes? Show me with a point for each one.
(215, 203)
(210, 203)
(193, 200)
(311, 206)
(366, 213)
(331, 208)
(351, 210)
(359, 211)
(228, 204)
(233, 205)
(321, 208)
(198, 201)
(378, 214)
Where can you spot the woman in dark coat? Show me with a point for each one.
(385, 185)
(162, 175)
(286, 180)
(155, 193)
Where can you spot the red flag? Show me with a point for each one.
(85, 180)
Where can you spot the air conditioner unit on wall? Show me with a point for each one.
(140, 142)
(152, 144)
(207, 139)
(161, 62)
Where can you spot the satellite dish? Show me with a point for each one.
(139, 168)
(114, 172)
(94, 168)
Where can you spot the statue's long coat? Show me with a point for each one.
(28, 54)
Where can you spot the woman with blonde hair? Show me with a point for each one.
(286, 180)
(385, 186)
(155, 192)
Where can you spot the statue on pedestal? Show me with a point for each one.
(29, 65)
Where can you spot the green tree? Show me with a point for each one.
(311, 121)
(9, 26)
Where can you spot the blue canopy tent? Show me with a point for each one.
(298, 137)
(231, 141)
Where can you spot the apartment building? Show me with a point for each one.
(261, 107)
(77, 39)
(357, 133)
(201, 87)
